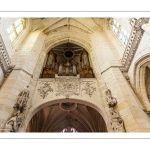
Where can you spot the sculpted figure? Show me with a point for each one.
(14, 123)
(111, 101)
(116, 121)
(22, 100)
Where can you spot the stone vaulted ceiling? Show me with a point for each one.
(48, 25)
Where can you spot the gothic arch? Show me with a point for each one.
(61, 38)
(139, 78)
(42, 105)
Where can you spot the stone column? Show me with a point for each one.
(24, 74)
(128, 106)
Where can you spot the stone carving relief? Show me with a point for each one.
(14, 123)
(17, 119)
(111, 101)
(134, 40)
(116, 121)
(89, 88)
(44, 89)
(67, 86)
(22, 100)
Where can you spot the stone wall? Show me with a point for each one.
(29, 57)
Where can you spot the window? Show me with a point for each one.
(15, 29)
(120, 32)
(73, 130)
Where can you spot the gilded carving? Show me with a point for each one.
(44, 89)
(89, 88)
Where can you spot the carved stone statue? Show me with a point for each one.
(51, 60)
(14, 123)
(22, 100)
(116, 121)
(111, 101)
(84, 60)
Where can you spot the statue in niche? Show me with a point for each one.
(111, 101)
(84, 60)
(51, 60)
(14, 123)
(22, 100)
(116, 121)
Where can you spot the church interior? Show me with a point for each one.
(74, 74)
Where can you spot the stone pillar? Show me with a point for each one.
(128, 106)
(25, 60)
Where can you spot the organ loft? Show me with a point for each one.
(74, 74)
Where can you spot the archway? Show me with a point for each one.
(67, 117)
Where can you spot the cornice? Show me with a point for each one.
(134, 40)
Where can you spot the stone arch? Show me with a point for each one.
(139, 78)
(42, 105)
(61, 38)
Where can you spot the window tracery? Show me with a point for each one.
(120, 31)
(15, 29)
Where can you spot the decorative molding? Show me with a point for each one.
(89, 88)
(111, 101)
(4, 59)
(134, 40)
(44, 89)
(67, 86)
(24, 71)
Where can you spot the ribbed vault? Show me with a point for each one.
(55, 118)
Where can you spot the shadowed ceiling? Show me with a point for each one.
(56, 117)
